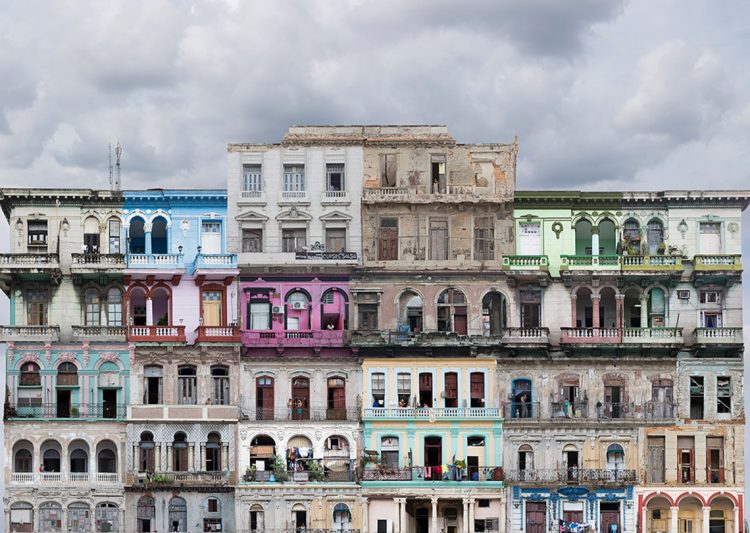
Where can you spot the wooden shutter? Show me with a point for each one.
(477, 385)
(388, 244)
(425, 382)
(451, 385)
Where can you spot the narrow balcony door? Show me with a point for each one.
(211, 238)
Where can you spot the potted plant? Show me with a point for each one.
(661, 248)
(315, 470)
(279, 469)
(250, 473)
(74, 412)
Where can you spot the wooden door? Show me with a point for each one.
(477, 386)
(211, 238)
(301, 398)
(536, 516)
(212, 307)
(460, 323)
(264, 398)
(655, 464)
(388, 240)
(336, 399)
(439, 240)
(451, 389)
(609, 521)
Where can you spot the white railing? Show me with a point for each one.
(23, 477)
(106, 477)
(429, 412)
(252, 194)
(652, 333)
(293, 195)
(98, 331)
(29, 331)
(154, 259)
(29, 259)
(51, 477)
(217, 259)
(59, 477)
(719, 335)
(526, 333)
(334, 194)
(218, 331)
(79, 477)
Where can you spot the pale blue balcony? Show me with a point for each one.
(165, 261)
(213, 261)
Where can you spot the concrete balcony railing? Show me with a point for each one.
(668, 336)
(81, 411)
(589, 262)
(203, 412)
(100, 333)
(430, 413)
(451, 193)
(525, 262)
(718, 336)
(653, 410)
(590, 336)
(218, 334)
(29, 333)
(29, 262)
(572, 475)
(252, 197)
(297, 338)
(302, 414)
(717, 262)
(156, 333)
(536, 336)
(287, 197)
(335, 197)
(96, 261)
(169, 479)
(652, 263)
(482, 474)
(51, 478)
(205, 261)
(165, 261)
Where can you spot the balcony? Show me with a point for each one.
(218, 334)
(652, 336)
(572, 476)
(96, 262)
(430, 413)
(427, 338)
(309, 471)
(453, 193)
(208, 261)
(51, 411)
(203, 412)
(29, 263)
(156, 333)
(713, 263)
(589, 262)
(526, 336)
(482, 474)
(525, 262)
(293, 198)
(178, 479)
(252, 198)
(297, 338)
(29, 333)
(609, 410)
(165, 261)
(521, 411)
(99, 333)
(335, 198)
(49, 478)
(314, 414)
(718, 336)
(652, 263)
(563, 411)
(659, 411)
(590, 336)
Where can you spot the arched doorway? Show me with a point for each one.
(494, 314)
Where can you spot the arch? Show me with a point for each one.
(685, 495)
(21, 516)
(526, 448)
(213, 452)
(107, 517)
(607, 307)
(342, 516)
(177, 514)
(51, 453)
(334, 315)
(79, 517)
(161, 305)
(607, 228)
(136, 235)
(410, 309)
(159, 235)
(452, 311)
(257, 507)
(731, 497)
(146, 513)
(180, 445)
(50, 514)
(23, 456)
(494, 312)
(339, 290)
(655, 236)
(654, 495)
(583, 229)
(337, 444)
(78, 456)
(294, 292)
(136, 304)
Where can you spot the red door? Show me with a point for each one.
(336, 399)
(451, 389)
(264, 398)
(610, 521)
(477, 389)
(536, 515)
(460, 323)
(301, 398)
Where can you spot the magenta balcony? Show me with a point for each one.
(298, 338)
(590, 336)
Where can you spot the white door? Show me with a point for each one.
(211, 238)
(710, 235)
(530, 239)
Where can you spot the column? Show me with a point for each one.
(365, 515)
(471, 515)
(595, 302)
(501, 518)
(619, 308)
(64, 517)
(644, 311)
(595, 240)
(573, 308)
(673, 519)
(433, 515)
(737, 524)
(147, 237)
(203, 457)
(706, 516)
(149, 312)
(644, 519)
(465, 517)
(399, 525)
(169, 457)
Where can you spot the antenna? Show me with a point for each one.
(118, 156)
(109, 154)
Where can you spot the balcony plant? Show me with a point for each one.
(661, 248)
(315, 471)
(74, 412)
(278, 467)
(250, 472)
(160, 479)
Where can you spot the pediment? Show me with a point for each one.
(336, 216)
(293, 214)
(253, 216)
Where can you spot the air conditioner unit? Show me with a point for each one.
(683, 295)
(298, 305)
(278, 310)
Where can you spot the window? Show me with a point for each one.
(483, 503)
(403, 383)
(114, 236)
(30, 375)
(686, 459)
(723, 394)
(484, 239)
(710, 320)
(212, 308)
(251, 179)
(389, 451)
(213, 505)
(51, 461)
(67, 375)
(107, 462)
(710, 297)
(252, 241)
(452, 312)
(631, 231)
(368, 316)
(79, 461)
(293, 240)
(439, 240)
(37, 301)
(327, 298)
(152, 376)
(37, 236)
(696, 397)
(450, 384)
(180, 452)
(213, 456)
(186, 385)
(388, 239)
(177, 514)
(335, 239)
(220, 389)
(382, 526)
(387, 170)
(114, 307)
(615, 457)
(531, 309)
(476, 382)
(23, 461)
(93, 307)
(107, 517)
(378, 389)
(437, 172)
(50, 514)
(335, 178)
(259, 316)
(715, 459)
(294, 178)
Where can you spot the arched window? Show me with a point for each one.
(107, 517)
(342, 517)
(525, 462)
(177, 514)
(615, 457)
(256, 518)
(146, 514)
(79, 517)
(93, 307)
(180, 452)
(655, 236)
(336, 399)
(298, 313)
(187, 391)
(107, 462)
(67, 375)
(79, 461)
(23, 461)
(50, 515)
(147, 452)
(91, 235)
(159, 236)
(452, 312)
(21, 516)
(213, 452)
(631, 236)
(30, 375)
(51, 461)
(409, 312)
(494, 314)
(583, 237)
(114, 307)
(220, 382)
(137, 236)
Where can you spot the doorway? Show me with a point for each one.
(63, 403)
(301, 398)
(433, 455)
(300, 520)
(609, 517)
(536, 514)
(530, 239)
(109, 403)
(211, 238)
(422, 520)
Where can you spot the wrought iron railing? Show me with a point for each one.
(59, 410)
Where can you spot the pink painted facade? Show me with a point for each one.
(295, 315)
